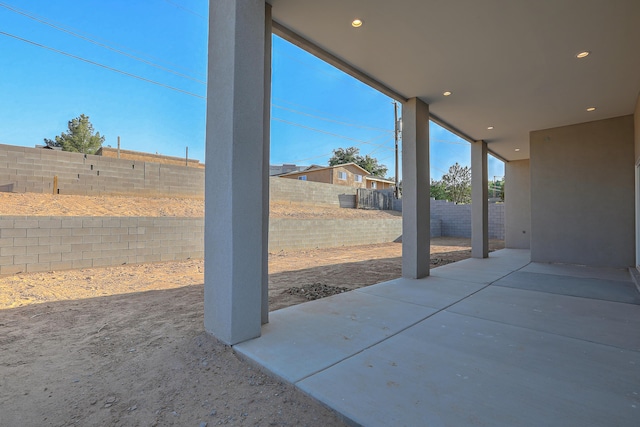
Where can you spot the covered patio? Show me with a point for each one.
(498, 342)
(544, 332)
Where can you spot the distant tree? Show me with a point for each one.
(342, 156)
(458, 183)
(79, 139)
(438, 190)
(496, 189)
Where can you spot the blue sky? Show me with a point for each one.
(315, 107)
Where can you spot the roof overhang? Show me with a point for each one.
(509, 65)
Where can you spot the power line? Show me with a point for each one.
(179, 6)
(105, 46)
(350, 80)
(102, 65)
(324, 113)
(329, 154)
(331, 120)
(329, 133)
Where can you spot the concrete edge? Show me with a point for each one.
(268, 372)
(635, 276)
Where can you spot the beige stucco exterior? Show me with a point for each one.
(582, 193)
(517, 204)
(636, 123)
(346, 175)
(380, 184)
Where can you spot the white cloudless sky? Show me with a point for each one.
(315, 107)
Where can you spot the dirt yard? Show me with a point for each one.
(125, 345)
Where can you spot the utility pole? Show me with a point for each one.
(186, 157)
(396, 136)
(118, 147)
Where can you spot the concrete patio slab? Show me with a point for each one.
(606, 290)
(453, 370)
(471, 274)
(466, 346)
(304, 339)
(504, 260)
(434, 292)
(604, 322)
(579, 271)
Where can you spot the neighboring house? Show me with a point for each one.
(285, 168)
(348, 174)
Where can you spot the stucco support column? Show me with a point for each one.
(479, 200)
(235, 197)
(266, 138)
(416, 220)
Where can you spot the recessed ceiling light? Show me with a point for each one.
(517, 149)
(582, 54)
(447, 93)
(356, 23)
(490, 128)
(590, 109)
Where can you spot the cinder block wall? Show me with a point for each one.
(30, 244)
(455, 219)
(311, 192)
(291, 234)
(32, 170)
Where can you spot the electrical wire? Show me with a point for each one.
(102, 65)
(331, 120)
(105, 46)
(329, 154)
(329, 133)
(179, 6)
(351, 81)
(324, 113)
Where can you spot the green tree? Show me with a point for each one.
(438, 190)
(79, 139)
(458, 183)
(496, 189)
(342, 156)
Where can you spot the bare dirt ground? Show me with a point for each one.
(34, 204)
(126, 346)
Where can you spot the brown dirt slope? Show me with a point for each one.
(35, 204)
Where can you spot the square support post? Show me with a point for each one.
(266, 138)
(235, 197)
(479, 200)
(416, 222)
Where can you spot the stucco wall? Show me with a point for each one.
(517, 205)
(582, 193)
(636, 121)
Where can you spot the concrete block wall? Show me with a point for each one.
(311, 192)
(31, 244)
(456, 219)
(292, 234)
(24, 169)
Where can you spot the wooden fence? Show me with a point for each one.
(375, 199)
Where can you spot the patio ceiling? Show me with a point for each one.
(509, 64)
